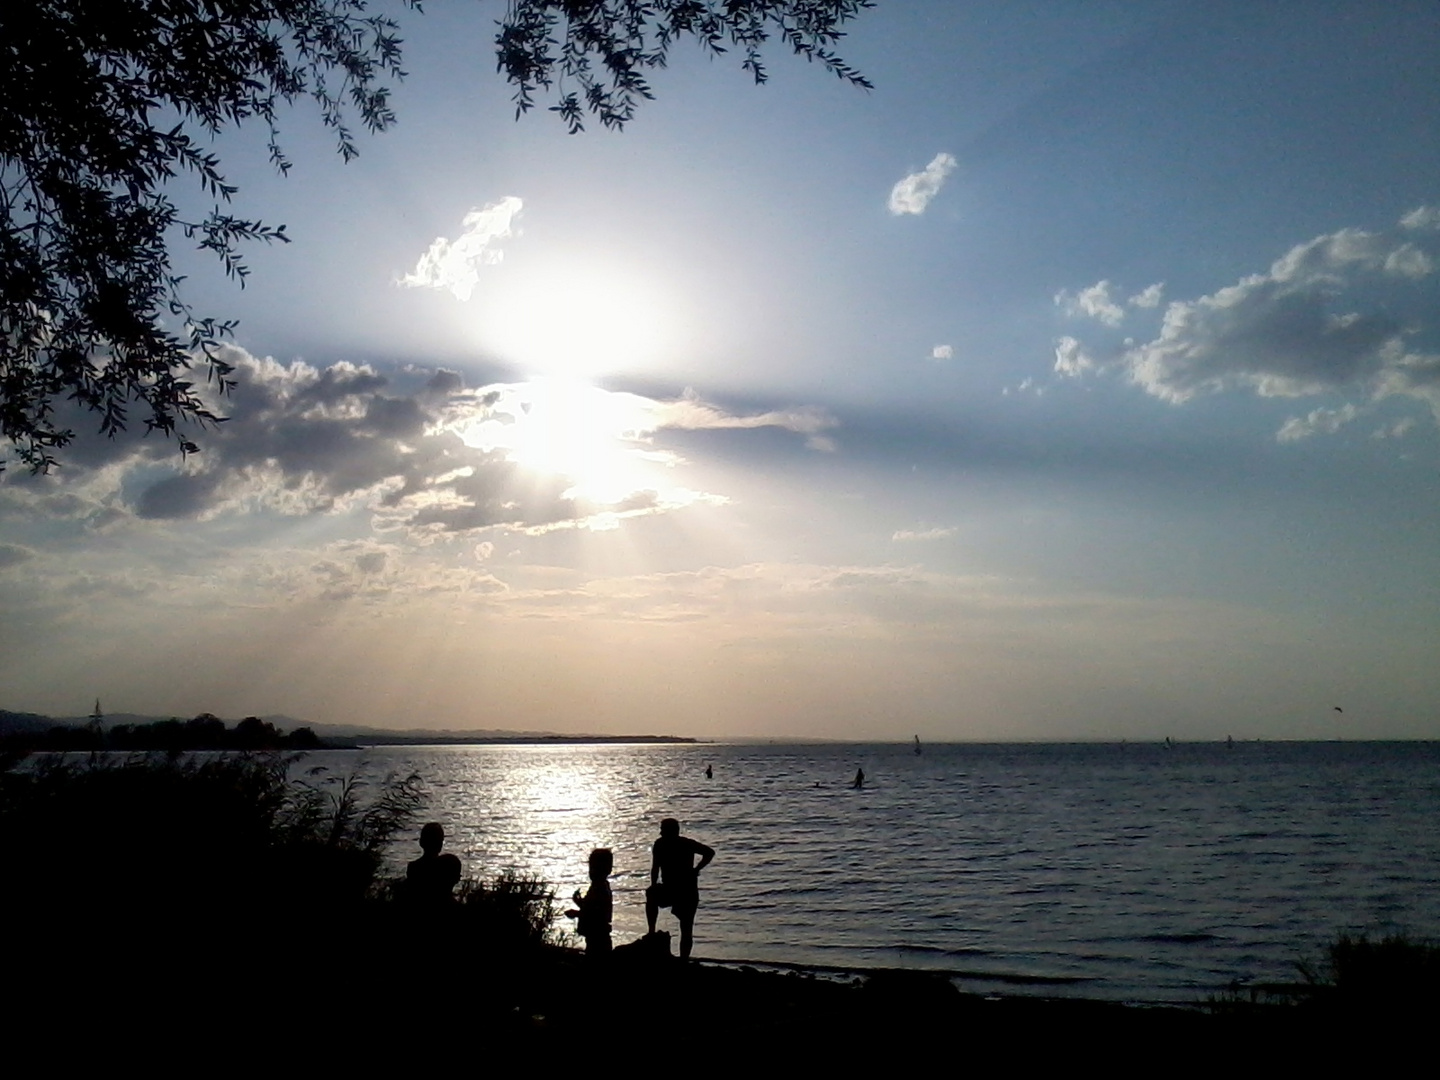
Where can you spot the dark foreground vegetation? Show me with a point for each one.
(224, 895)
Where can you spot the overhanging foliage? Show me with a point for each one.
(104, 103)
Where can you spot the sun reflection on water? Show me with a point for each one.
(542, 809)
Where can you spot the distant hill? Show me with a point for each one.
(24, 723)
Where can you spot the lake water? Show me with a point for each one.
(1133, 872)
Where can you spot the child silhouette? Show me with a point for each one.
(593, 910)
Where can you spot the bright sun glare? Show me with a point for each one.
(572, 320)
(578, 322)
(594, 437)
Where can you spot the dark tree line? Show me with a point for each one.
(204, 732)
(105, 103)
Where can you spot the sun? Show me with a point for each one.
(577, 319)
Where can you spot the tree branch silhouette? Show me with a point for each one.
(105, 104)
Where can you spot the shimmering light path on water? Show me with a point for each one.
(1136, 871)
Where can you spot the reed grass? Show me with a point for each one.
(1393, 973)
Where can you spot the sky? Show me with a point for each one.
(1080, 381)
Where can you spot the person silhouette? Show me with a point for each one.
(709, 773)
(859, 779)
(592, 911)
(430, 879)
(675, 880)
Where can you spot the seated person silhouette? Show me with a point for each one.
(593, 910)
(675, 880)
(430, 879)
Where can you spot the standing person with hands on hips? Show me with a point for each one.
(675, 880)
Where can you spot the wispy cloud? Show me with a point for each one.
(906, 535)
(1397, 430)
(689, 413)
(913, 194)
(1027, 384)
(455, 264)
(1414, 375)
(1422, 217)
(1319, 422)
(14, 555)
(1409, 261)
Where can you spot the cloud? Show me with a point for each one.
(188, 495)
(414, 453)
(1414, 375)
(636, 504)
(1028, 383)
(1279, 340)
(689, 413)
(1096, 302)
(942, 352)
(455, 264)
(632, 419)
(1071, 358)
(1099, 301)
(14, 555)
(1422, 217)
(444, 381)
(87, 497)
(1409, 261)
(1398, 430)
(1319, 422)
(904, 535)
(1148, 297)
(913, 194)
(1323, 319)
(370, 562)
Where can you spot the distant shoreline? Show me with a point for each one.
(28, 729)
(129, 732)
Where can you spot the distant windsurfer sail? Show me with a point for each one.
(917, 746)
